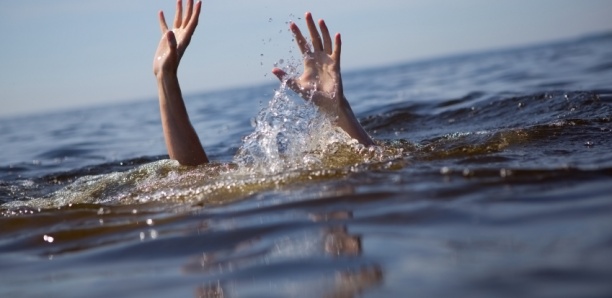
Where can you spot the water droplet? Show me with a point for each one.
(445, 170)
(48, 238)
(269, 20)
(150, 222)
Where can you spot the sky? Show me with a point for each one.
(67, 54)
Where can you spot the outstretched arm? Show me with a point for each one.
(321, 81)
(182, 141)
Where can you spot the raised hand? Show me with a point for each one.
(174, 42)
(321, 81)
(181, 139)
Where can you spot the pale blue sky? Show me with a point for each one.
(72, 53)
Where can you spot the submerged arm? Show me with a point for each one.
(182, 141)
(321, 81)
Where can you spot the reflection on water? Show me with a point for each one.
(334, 242)
(491, 178)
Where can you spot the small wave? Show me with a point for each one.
(601, 68)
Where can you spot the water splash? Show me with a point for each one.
(292, 141)
(289, 134)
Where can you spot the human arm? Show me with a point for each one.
(321, 81)
(182, 141)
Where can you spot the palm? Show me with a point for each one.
(319, 75)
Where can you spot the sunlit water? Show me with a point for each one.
(492, 178)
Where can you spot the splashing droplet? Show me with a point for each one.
(288, 134)
(48, 239)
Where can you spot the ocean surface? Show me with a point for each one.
(492, 178)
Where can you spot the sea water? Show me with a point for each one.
(491, 178)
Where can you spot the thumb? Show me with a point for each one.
(279, 73)
(290, 82)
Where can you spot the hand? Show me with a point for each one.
(174, 42)
(321, 81)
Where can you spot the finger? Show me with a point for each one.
(162, 22)
(337, 49)
(193, 22)
(188, 12)
(293, 85)
(314, 33)
(171, 39)
(279, 73)
(289, 82)
(178, 17)
(301, 41)
(327, 42)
